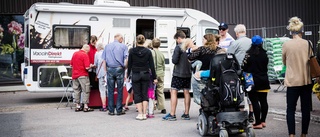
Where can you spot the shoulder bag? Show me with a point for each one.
(313, 63)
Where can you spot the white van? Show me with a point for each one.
(54, 31)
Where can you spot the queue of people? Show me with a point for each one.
(146, 65)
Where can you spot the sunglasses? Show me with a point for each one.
(223, 29)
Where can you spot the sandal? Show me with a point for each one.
(126, 108)
(88, 109)
(78, 109)
(103, 109)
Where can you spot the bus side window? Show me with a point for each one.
(70, 36)
(212, 31)
(185, 30)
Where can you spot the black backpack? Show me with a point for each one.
(224, 74)
(229, 89)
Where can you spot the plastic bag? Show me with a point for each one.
(249, 83)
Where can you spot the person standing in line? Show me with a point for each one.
(239, 48)
(130, 94)
(101, 74)
(256, 62)
(295, 56)
(241, 45)
(91, 53)
(151, 87)
(180, 80)
(204, 54)
(226, 39)
(159, 63)
(115, 56)
(80, 78)
(140, 64)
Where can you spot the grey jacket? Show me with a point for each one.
(182, 67)
(239, 48)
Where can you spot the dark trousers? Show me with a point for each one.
(293, 93)
(140, 84)
(259, 105)
(94, 84)
(115, 75)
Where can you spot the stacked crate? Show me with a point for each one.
(274, 52)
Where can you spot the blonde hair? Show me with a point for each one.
(295, 25)
(185, 44)
(148, 44)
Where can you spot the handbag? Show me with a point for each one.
(313, 63)
(96, 78)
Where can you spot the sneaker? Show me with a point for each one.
(150, 116)
(121, 113)
(169, 117)
(139, 117)
(144, 116)
(164, 111)
(185, 117)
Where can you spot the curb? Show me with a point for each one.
(313, 118)
(9, 91)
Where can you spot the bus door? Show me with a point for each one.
(165, 31)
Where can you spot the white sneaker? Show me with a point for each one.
(144, 116)
(139, 117)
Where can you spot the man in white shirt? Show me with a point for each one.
(226, 38)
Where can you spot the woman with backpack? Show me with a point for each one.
(256, 63)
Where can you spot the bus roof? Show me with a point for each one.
(98, 9)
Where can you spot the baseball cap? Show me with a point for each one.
(256, 40)
(223, 26)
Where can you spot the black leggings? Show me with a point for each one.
(260, 105)
(140, 84)
(293, 93)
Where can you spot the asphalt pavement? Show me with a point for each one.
(276, 101)
(26, 113)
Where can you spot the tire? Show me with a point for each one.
(202, 125)
(250, 132)
(223, 133)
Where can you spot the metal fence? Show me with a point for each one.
(311, 32)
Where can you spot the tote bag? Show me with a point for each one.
(314, 66)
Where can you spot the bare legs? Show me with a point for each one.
(174, 101)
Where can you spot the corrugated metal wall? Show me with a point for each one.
(255, 14)
(272, 14)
